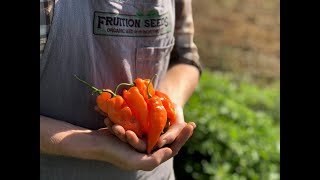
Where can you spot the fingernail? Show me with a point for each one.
(194, 125)
(163, 142)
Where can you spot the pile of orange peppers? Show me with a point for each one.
(140, 108)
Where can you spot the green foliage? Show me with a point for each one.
(237, 134)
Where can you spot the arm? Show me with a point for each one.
(61, 138)
(180, 82)
(185, 69)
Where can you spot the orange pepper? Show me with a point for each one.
(102, 99)
(120, 113)
(157, 119)
(138, 106)
(168, 105)
(136, 103)
(142, 85)
(116, 109)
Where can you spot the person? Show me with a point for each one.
(107, 43)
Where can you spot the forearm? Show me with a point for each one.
(180, 82)
(61, 138)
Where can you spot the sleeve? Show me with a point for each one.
(185, 50)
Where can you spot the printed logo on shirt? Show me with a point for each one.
(139, 25)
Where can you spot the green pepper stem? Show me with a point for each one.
(123, 84)
(99, 91)
(148, 92)
(109, 91)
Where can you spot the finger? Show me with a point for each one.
(149, 162)
(109, 124)
(174, 130)
(171, 134)
(185, 134)
(134, 141)
(119, 132)
(102, 131)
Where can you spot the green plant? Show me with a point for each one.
(237, 134)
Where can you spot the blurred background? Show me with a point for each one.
(237, 103)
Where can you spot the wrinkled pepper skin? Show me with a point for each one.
(168, 105)
(115, 108)
(157, 120)
(142, 85)
(138, 106)
(101, 101)
(119, 113)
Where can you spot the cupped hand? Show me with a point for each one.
(140, 144)
(170, 136)
(122, 155)
(125, 136)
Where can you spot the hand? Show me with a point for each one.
(174, 130)
(140, 144)
(125, 157)
(62, 138)
(125, 136)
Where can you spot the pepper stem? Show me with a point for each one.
(149, 95)
(123, 84)
(109, 91)
(99, 91)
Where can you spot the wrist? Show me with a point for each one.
(87, 146)
(64, 139)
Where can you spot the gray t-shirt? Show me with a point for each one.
(104, 43)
